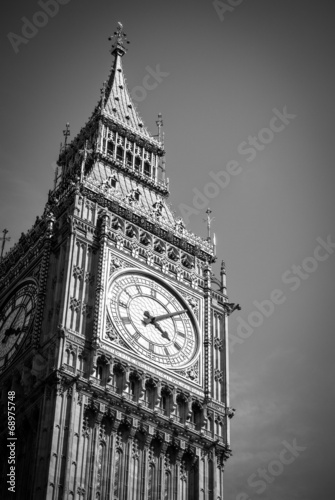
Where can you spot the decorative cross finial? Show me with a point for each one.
(119, 38)
(4, 239)
(209, 221)
(66, 134)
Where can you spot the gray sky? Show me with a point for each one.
(223, 79)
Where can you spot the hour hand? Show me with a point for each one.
(163, 332)
(10, 331)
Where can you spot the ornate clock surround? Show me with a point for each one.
(181, 347)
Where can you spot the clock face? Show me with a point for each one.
(153, 319)
(16, 317)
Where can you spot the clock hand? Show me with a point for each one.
(11, 330)
(153, 319)
(164, 333)
(148, 319)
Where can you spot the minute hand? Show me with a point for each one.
(166, 316)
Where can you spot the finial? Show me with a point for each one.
(223, 278)
(4, 239)
(209, 221)
(66, 134)
(119, 38)
(159, 124)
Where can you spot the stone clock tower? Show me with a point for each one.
(113, 329)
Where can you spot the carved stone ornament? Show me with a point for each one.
(218, 344)
(191, 373)
(194, 303)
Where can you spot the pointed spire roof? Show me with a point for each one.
(117, 101)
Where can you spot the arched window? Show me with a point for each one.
(138, 163)
(182, 408)
(218, 428)
(119, 153)
(118, 379)
(110, 148)
(151, 482)
(209, 426)
(132, 387)
(166, 401)
(129, 159)
(196, 416)
(150, 394)
(117, 474)
(167, 485)
(72, 359)
(99, 371)
(147, 169)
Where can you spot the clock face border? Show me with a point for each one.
(157, 359)
(18, 306)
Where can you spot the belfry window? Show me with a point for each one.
(129, 159)
(138, 163)
(147, 169)
(119, 153)
(110, 148)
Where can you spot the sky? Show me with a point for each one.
(246, 93)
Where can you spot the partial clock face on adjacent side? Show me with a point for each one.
(16, 317)
(153, 319)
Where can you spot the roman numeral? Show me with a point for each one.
(151, 347)
(166, 351)
(177, 346)
(153, 292)
(181, 334)
(122, 304)
(125, 320)
(136, 335)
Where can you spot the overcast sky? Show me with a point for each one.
(245, 88)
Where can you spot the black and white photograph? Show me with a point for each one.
(167, 239)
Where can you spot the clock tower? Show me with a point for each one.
(113, 328)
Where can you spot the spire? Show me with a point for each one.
(119, 105)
